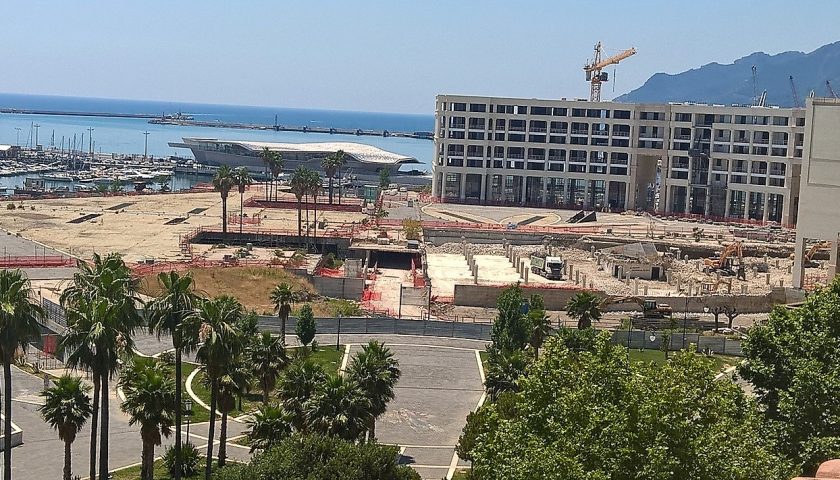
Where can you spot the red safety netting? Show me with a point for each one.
(36, 261)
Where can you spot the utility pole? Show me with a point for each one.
(17, 133)
(146, 145)
(90, 140)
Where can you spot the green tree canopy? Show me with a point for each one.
(793, 361)
(510, 329)
(314, 457)
(305, 327)
(591, 415)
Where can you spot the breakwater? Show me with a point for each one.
(284, 128)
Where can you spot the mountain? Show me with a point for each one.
(732, 83)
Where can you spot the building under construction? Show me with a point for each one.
(735, 162)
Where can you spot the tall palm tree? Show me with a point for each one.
(150, 402)
(275, 167)
(268, 358)
(18, 325)
(298, 186)
(231, 385)
(220, 343)
(376, 371)
(269, 425)
(223, 182)
(339, 408)
(314, 190)
(331, 163)
(241, 178)
(266, 155)
(540, 329)
(585, 307)
(282, 299)
(66, 409)
(297, 386)
(171, 313)
(101, 306)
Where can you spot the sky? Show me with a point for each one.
(371, 55)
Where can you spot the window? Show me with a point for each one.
(679, 174)
(476, 136)
(457, 122)
(579, 140)
(558, 111)
(500, 124)
(456, 150)
(478, 107)
(577, 168)
(620, 142)
(540, 111)
(459, 107)
(476, 124)
(517, 125)
(780, 121)
(457, 134)
(559, 127)
(682, 117)
(600, 169)
(622, 114)
(536, 138)
(619, 158)
(516, 137)
(516, 152)
(556, 139)
(578, 112)
(504, 108)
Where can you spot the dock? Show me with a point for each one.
(284, 128)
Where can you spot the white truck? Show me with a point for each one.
(548, 267)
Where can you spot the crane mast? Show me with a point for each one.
(593, 69)
(830, 90)
(796, 101)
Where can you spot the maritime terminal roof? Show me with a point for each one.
(361, 152)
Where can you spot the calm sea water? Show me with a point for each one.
(125, 135)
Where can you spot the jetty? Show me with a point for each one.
(284, 128)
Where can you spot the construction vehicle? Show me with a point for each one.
(650, 308)
(725, 262)
(809, 262)
(548, 267)
(595, 76)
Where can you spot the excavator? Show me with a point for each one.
(725, 262)
(809, 255)
(650, 309)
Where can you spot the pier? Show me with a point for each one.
(284, 128)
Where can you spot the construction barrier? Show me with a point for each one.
(37, 261)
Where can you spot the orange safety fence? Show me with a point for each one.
(36, 261)
(329, 272)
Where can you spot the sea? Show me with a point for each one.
(126, 135)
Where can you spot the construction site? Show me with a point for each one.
(405, 256)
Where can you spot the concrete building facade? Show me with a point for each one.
(737, 162)
(819, 191)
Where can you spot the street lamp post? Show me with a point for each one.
(338, 333)
(187, 413)
(146, 145)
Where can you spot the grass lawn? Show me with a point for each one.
(483, 355)
(133, 473)
(460, 474)
(658, 357)
(327, 357)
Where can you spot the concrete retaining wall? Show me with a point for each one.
(335, 245)
(17, 436)
(437, 236)
(385, 326)
(556, 299)
(338, 287)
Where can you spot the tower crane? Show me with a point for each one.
(758, 100)
(796, 101)
(830, 90)
(595, 76)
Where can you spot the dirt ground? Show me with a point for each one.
(136, 226)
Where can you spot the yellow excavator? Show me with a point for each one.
(725, 263)
(809, 255)
(650, 308)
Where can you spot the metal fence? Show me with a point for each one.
(386, 326)
(652, 340)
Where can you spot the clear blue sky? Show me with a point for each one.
(390, 56)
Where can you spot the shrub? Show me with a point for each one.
(190, 460)
(10, 206)
(411, 228)
(305, 327)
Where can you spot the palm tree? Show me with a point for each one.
(150, 402)
(585, 307)
(282, 298)
(241, 178)
(223, 182)
(231, 386)
(220, 343)
(269, 425)
(314, 190)
(339, 408)
(267, 358)
(331, 163)
(275, 166)
(266, 154)
(297, 386)
(539, 323)
(171, 313)
(90, 336)
(18, 325)
(504, 367)
(376, 371)
(66, 409)
(298, 186)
